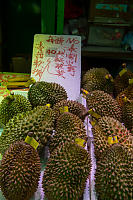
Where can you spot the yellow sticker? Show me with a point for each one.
(0, 156)
(123, 71)
(80, 142)
(91, 112)
(93, 123)
(112, 139)
(63, 109)
(125, 99)
(48, 105)
(85, 92)
(32, 142)
(131, 81)
(107, 76)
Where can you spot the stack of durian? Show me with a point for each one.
(45, 118)
(48, 119)
(110, 107)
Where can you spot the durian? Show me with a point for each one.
(12, 105)
(19, 171)
(66, 172)
(114, 175)
(42, 93)
(107, 131)
(104, 104)
(122, 82)
(98, 79)
(68, 127)
(127, 93)
(127, 114)
(39, 121)
(74, 107)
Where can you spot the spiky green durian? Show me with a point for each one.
(108, 127)
(127, 114)
(12, 105)
(42, 93)
(128, 93)
(104, 104)
(113, 178)
(98, 79)
(39, 121)
(19, 171)
(66, 172)
(122, 82)
(68, 127)
(74, 107)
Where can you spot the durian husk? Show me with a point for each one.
(95, 79)
(109, 127)
(113, 177)
(68, 128)
(39, 121)
(127, 115)
(19, 171)
(12, 105)
(74, 107)
(122, 82)
(104, 104)
(66, 172)
(128, 93)
(42, 93)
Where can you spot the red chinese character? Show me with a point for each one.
(71, 49)
(40, 46)
(71, 68)
(37, 62)
(59, 65)
(38, 72)
(59, 40)
(50, 39)
(72, 56)
(59, 59)
(60, 73)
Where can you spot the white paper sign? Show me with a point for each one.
(57, 58)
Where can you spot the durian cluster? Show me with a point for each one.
(42, 120)
(48, 118)
(111, 116)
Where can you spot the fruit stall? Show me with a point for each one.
(63, 136)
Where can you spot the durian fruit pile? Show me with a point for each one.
(19, 171)
(12, 105)
(66, 172)
(39, 121)
(98, 79)
(114, 174)
(42, 93)
(50, 126)
(111, 117)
